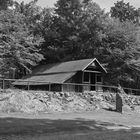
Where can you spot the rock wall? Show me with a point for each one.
(47, 102)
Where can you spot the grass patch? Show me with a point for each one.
(79, 129)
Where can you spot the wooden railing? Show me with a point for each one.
(48, 86)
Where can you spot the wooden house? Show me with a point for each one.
(76, 76)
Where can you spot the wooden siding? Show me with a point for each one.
(77, 78)
(68, 88)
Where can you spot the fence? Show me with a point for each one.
(69, 87)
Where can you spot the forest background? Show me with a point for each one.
(71, 30)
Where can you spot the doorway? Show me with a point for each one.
(93, 81)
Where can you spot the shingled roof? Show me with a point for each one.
(57, 73)
(70, 66)
(45, 79)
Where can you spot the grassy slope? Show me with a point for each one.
(74, 126)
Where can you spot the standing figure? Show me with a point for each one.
(119, 103)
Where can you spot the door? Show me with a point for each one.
(93, 81)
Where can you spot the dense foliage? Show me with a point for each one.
(73, 29)
(4, 4)
(121, 50)
(125, 11)
(19, 47)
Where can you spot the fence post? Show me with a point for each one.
(130, 91)
(49, 86)
(3, 84)
(78, 88)
(28, 86)
(109, 89)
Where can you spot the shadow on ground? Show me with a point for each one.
(110, 109)
(79, 129)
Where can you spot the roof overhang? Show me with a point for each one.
(97, 62)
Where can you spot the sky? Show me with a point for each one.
(104, 4)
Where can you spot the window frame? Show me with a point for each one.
(97, 75)
(88, 77)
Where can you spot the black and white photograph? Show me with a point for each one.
(69, 70)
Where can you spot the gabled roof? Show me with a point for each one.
(45, 79)
(57, 73)
(70, 66)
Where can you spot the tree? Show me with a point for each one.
(31, 11)
(75, 30)
(18, 47)
(125, 11)
(4, 4)
(121, 50)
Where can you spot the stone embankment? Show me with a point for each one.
(48, 102)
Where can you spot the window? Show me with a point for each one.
(86, 77)
(99, 78)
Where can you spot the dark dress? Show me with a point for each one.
(119, 103)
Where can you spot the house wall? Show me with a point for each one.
(68, 88)
(77, 78)
(37, 87)
(56, 87)
(47, 87)
(95, 80)
(94, 71)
